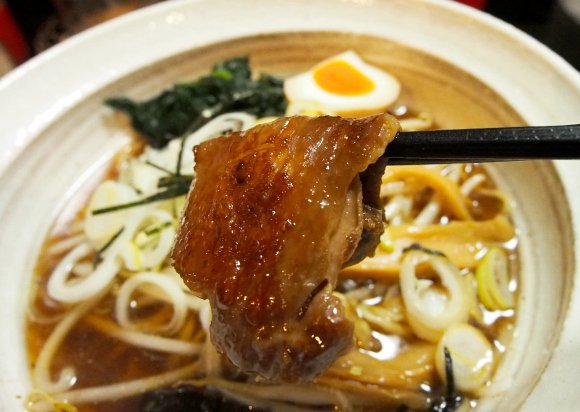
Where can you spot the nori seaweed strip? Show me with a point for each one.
(167, 194)
(187, 106)
(451, 400)
(97, 258)
(421, 248)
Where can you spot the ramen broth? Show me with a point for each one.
(451, 97)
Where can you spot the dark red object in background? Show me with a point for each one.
(11, 37)
(478, 4)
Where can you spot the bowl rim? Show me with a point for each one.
(15, 137)
(57, 94)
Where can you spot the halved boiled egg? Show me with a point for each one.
(346, 85)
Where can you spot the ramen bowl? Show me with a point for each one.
(469, 69)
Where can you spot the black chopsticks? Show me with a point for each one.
(485, 145)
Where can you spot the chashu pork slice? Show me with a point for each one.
(273, 215)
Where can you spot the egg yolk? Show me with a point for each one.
(340, 77)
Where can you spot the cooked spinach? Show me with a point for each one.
(187, 106)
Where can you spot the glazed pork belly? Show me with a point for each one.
(272, 216)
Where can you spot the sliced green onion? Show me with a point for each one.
(99, 229)
(472, 356)
(493, 278)
(431, 307)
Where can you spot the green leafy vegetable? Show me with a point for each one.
(187, 106)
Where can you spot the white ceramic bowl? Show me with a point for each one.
(54, 138)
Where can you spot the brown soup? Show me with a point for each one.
(454, 99)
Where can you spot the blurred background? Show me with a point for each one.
(28, 27)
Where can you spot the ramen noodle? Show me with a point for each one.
(112, 327)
